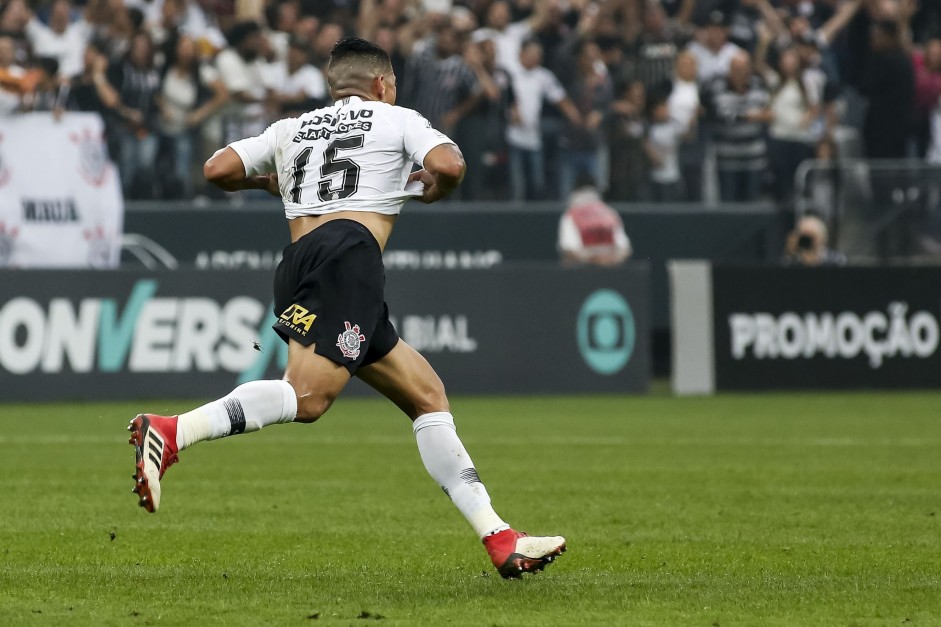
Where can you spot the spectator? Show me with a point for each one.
(814, 47)
(795, 106)
(16, 14)
(712, 49)
(591, 232)
(391, 15)
(740, 114)
(296, 86)
(113, 25)
(927, 92)
(482, 132)
(627, 128)
(61, 40)
(48, 94)
(282, 18)
(439, 84)
(327, 37)
(190, 93)
(807, 245)
(656, 50)
(388, 39)
(532, 84)
(137, 83)
(165, 31)
(591, 93)
(662, 147)
(243, 71)
(684, 107)
(890, 88)
(11, 77)
(508, 37)
(92, 91)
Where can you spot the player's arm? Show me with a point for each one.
(246, 164)
(443, 171)
(226, 171)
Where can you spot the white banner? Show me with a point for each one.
(60, 197)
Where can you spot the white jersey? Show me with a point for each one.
(355, 155)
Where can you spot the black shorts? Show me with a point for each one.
(329, 292)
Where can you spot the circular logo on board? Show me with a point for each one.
(605, 332)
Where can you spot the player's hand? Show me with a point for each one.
(266, 182)
(272, 185)
(430, 191)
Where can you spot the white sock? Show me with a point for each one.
(448, 463)
(247, 408)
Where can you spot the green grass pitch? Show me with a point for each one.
(817, 509)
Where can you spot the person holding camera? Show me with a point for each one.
(807, 245)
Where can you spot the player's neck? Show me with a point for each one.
(346, 93)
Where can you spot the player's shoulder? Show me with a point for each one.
(397, 119)
(395, 112)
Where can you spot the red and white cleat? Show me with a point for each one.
(514, 553)
(154, 441)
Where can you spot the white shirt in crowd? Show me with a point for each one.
(789, 109)
(307, 80)
(507, 42)
(68, 48)
(683, 102)
(196, 22)
(665, 138)
(242, 76)
(368, 146)
(530, 88)
(711, 65)
(179, 94)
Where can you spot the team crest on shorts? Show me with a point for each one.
(350, 340)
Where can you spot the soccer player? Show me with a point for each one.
(343, 174)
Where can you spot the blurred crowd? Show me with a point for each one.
(636, 95)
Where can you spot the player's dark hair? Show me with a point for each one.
(362, 50)
(354, 62)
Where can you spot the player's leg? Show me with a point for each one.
(408, 380)
(311, 383)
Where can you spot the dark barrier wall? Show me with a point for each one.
(134, 334)
(458, 235)
(826, 327)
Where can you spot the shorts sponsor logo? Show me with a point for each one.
(350, 340)
(605, 332)
(298, 319)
